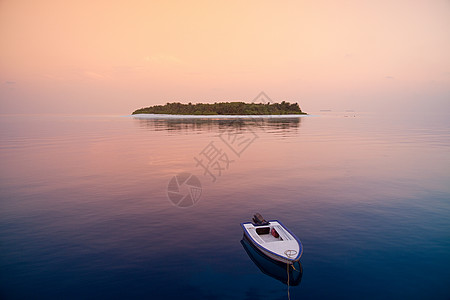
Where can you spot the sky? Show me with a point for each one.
(112, 57)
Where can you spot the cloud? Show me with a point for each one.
(389, 77)
(10, 85)
(94, 75)
(128, 69)
(163, 59)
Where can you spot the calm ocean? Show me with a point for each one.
(115, 207)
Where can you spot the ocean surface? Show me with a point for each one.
(118, 207)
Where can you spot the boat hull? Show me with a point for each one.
(283, 246)
(273, 268)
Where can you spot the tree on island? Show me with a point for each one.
(223, 108)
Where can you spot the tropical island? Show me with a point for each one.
(223, 108)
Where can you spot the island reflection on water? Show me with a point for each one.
(192, 125)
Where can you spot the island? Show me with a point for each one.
(223, 108)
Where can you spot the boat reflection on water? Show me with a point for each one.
(271, 267)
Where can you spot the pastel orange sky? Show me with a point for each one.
(115, 56)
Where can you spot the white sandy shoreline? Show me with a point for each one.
(167, 116)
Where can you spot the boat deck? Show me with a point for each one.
(268, 238)
(284, 248)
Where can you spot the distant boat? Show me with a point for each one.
(273, 239)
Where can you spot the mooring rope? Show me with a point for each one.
(288, 292)
(289, 254)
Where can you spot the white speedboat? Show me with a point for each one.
(273, 239)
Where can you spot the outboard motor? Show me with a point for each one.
(258, 220)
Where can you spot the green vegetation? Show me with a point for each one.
(223, 108)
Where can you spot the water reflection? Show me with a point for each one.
(273, 268)
(193, 125)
